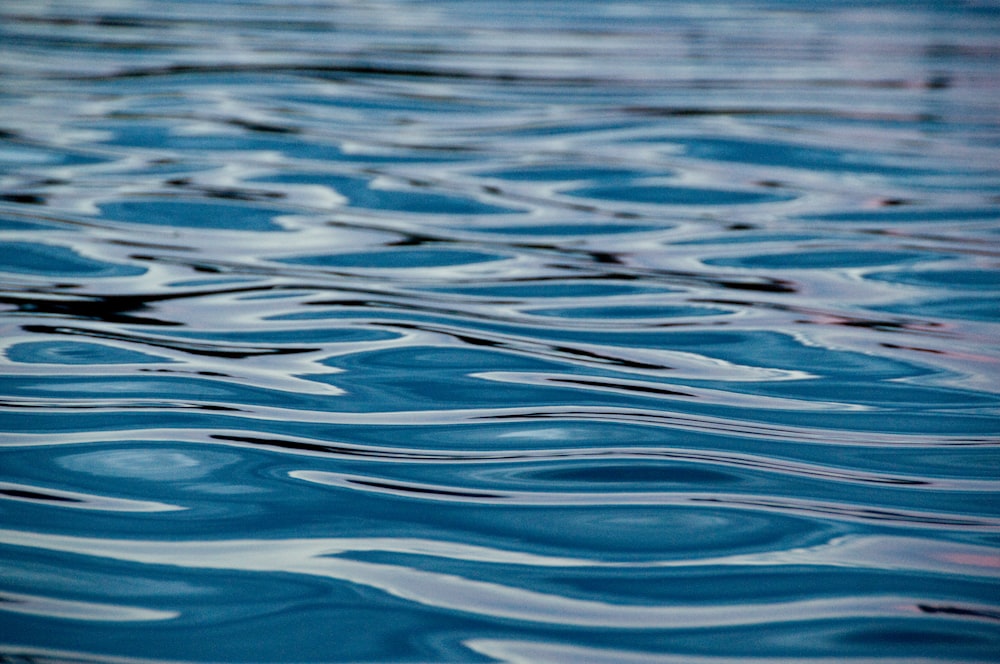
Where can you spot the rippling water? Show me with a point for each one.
(499, 331)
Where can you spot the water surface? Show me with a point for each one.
(499, 332)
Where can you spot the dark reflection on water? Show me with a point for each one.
(629, 331)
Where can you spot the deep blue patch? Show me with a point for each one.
(55, 261)
(192, 214)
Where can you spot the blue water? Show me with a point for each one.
(468, 331)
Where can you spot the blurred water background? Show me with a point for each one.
(626, 331)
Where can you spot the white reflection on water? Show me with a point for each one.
(531, 652)
(75, 610)
(79, 500)
(148, 464)
(499, 320)
(319, 558)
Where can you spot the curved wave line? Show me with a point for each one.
(457, 593)
(77, 500)
(663, 418)
(51, 607)
(839, 511)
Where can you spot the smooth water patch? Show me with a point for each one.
(75, 352)
(7, 224)
(157, 463)
(192, 214)
(396, 259)
(961, 308)
(793, 156)
(50, 260)
(974, 280)
(17, 156)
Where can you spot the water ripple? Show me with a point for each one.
(463, 331)
(454, 592)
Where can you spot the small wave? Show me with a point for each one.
(402, 331)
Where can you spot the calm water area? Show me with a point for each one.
(635, 332)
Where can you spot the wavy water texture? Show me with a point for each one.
(635, 331)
